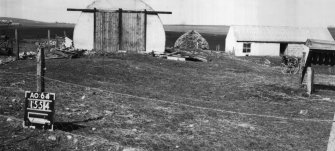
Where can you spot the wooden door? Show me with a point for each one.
(115, 31)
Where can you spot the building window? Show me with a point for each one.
(246, 47)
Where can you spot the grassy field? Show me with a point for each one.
(136, 101)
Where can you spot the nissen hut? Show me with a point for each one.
(272, 41)
(113, 25)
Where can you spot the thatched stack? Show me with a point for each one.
(191, 41)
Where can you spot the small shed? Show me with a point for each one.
(321, 53)
(272, 40)
(113, 25)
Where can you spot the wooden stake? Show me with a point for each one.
(40, 70)
(331, 141)
(145, 29)
(310, 80)
(17, 44)
(120, 29)
(94, 29)
(48, 38)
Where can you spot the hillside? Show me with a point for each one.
(37, 24)
(137, 101)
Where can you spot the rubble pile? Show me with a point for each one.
(61, 47)
(191, 41)
(4, 60)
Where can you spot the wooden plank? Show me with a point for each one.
(120, 29)
(103, 33)
(40, 70)
(97, 38)
(48, 38)
(107, 33)
(310, 80)
(331, 140)
(113, 32)
(82, 10)
(307, 64)
(94, 29)
(114, 11)
(145, 29)
(17, 41)
(332, 58)
(133, 32)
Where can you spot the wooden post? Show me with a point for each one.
(48, 38)
(40, 70)
(120, 29)
(94, 28)
(17, 44)
(145, 29)
(310, 80)
(331, 140)
(303, 59)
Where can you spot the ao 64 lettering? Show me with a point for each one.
(37, 96)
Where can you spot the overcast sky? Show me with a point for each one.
(201, 12)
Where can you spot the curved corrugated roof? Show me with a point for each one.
(280, 34)
(116, 4)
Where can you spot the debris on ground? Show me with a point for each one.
(69, 137)
(27, 55)
(5, 60)
(303, 112)
(180, 55)
(52, 137)
(9, 120)
(62, 47)
(267, 62)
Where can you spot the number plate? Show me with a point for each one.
(39, 110)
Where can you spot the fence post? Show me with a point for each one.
(48, 38)
(331, 140)
(120, 29)
(17, 44)
(310, 80)
(40, 70)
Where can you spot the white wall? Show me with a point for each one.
(258, 49)
(231, 42)
(155, 35)
(265, 49)
(296, 50)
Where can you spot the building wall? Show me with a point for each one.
(296, 50)
(83, 34)
(155, 35)
(230, 42)
(258, 49)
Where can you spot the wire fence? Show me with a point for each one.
(64, 89)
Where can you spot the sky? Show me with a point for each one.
(319, 13)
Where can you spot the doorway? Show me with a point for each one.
(283, 47)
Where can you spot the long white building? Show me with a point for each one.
(272, 41)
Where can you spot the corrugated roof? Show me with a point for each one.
(116, 4)
(280, 34)
(320, 44)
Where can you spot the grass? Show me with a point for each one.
(154, 104)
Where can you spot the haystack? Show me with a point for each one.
(191, 40)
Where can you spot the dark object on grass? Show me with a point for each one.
(191, 41)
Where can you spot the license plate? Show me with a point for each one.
(39, 105)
